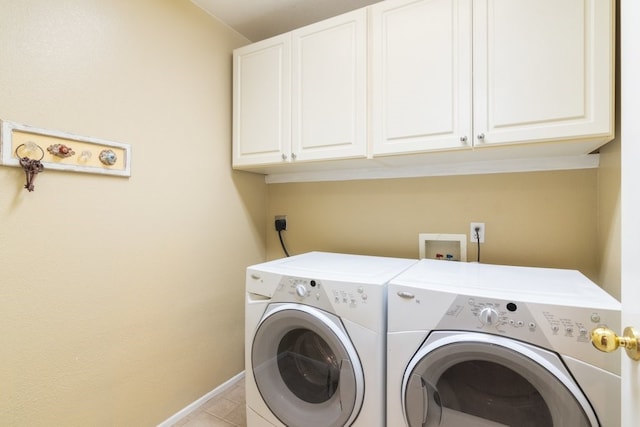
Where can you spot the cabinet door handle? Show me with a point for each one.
(293, 156)
(463, 139)
(481, 136)
(284, 156)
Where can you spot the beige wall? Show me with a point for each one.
(121, 299)
(535, 219)
(609, 193)
(609, 224)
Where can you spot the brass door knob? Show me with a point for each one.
(604, 339)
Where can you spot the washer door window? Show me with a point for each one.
(479, 380)
(306, 368)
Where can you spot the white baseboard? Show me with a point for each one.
(198, 403)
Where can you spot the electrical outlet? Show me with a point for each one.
(480, 232)
(280, 222)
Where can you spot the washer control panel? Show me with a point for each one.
(350, 298)
(360, 303)
(315, 292)
(299, 289)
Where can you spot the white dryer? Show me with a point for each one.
(315, 340)
(484, 345)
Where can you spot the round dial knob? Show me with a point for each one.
(301, 291)
(488, 316)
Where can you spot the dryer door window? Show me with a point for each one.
(482, 380)
(306, 368)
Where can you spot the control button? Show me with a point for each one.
(532, 325)
(512, 307)
(583, 332)
(568, 330)
(360, 290)
(471, 301)
(555, 328)
(488, 316)
(365, 297)
(595, 317)
(301, 291)
(520, 323)
(512, 322)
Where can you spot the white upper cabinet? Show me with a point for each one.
(262, 102)
(419, 87)
(329, 93)
(421, 75)
(302, 96)
(452, 74)
(543, 70)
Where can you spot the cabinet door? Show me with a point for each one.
(329, 88)
(262, 102)
(421, 75)
(543, 70)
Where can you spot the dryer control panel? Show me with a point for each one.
(563, 329)
(495, 316)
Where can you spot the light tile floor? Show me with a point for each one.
(224, 410)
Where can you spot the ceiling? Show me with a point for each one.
(261, 19)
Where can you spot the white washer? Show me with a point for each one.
(484, 345)
(315, 340)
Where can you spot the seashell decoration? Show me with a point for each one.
(60, 150)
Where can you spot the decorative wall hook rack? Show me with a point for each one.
(61, 151)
